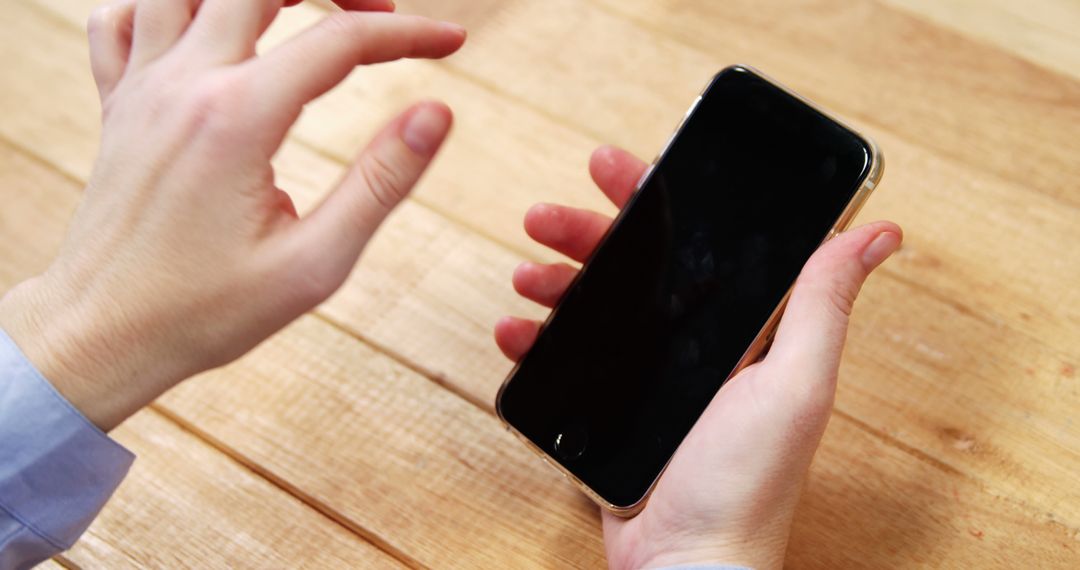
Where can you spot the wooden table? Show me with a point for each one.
(363, 434)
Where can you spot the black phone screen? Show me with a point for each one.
(683, 283)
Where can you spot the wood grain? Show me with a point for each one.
(954, 443)
(882, 68)
(389, 451)
(352, 432)
(878, 508)
(1045, 32)
(190, 506)
(944, 276)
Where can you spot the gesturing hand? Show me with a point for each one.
(729, 493)
(183, 254)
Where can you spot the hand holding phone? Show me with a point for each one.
(729, 492)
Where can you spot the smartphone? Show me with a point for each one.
(688, 284)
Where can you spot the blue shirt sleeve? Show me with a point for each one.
(57, 469)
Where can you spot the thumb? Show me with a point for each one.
(811, 336)
(333, 236)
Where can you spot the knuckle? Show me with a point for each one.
(383, 180)
(213, 106)
(211, 99)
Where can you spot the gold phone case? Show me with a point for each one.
(764, 337)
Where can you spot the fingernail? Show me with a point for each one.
(425, 130)
(880, 249)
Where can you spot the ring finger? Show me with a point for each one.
(159, 24)
(544, 284)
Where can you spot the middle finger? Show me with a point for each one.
(570, 231)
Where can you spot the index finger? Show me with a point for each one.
(616, 172)
(322, 56)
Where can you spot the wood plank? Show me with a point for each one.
(963, 225)
(824, 520)
(934, 257)
(168, 512)
(1045, 32)
(879, 66)
(995, 406)
(894, 512)
(226, 406)
(930, 195)
(944, 266)
(71, 131)
(919, 185)
(952, 276)
(187, 504)
(359, 440)
(392, 452)
(881, 495)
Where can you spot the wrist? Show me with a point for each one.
(756, 555)
(761, 546)
(67, 349)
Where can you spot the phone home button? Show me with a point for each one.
(570, 444)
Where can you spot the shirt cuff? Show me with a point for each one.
(58, 468)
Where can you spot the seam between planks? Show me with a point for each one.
(436, 378)
(286, 487)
